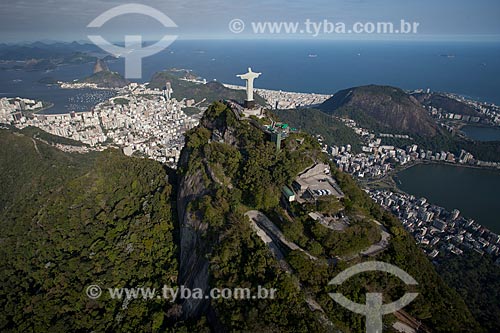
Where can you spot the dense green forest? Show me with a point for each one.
(477, 280)
(71, 220)
(238, 177)
(314, 122)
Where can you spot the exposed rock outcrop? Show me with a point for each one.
(193, 270)
(100, 66)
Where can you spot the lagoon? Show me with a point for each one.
(475, 192)
(482, 133)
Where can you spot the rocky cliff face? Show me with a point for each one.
(193, 266)
(195, 248)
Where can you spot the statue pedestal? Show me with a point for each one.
(249, 104)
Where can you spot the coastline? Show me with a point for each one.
(390, 183)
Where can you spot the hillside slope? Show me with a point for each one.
(314, 122)
(447, 104)
(106, 79)
(229, 168)
(382, 108)
(69, 221)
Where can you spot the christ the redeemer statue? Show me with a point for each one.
(249, 77)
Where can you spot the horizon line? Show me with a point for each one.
(475, 38)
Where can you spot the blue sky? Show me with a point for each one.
(67, 19)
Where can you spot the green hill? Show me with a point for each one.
(220, 180)
(447, 104)
(71, 220)
(382, 108)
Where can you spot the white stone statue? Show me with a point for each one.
(249, 77)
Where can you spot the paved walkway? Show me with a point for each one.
(272, 231)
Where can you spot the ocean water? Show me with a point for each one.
(17, 83)
(470, 69)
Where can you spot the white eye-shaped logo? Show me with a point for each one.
(373, 309)
(133, 52)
